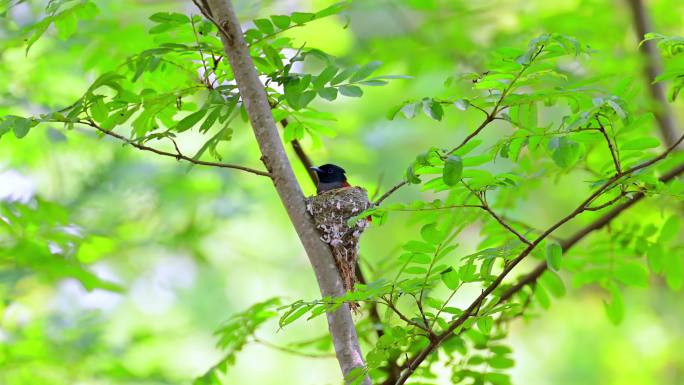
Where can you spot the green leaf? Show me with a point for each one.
(302, 17)
(351, 91)
(293, 91)
(501, 362)
(669, 230)
(674, 271)
(451, 279)
(656, 258)
(477, 160)
(433, 109)
(373, 82)
(365, 71)
(325, 76)
(565, 151)
(18, 124)
(289, 318)
(453, 170)
(281, 21)
(497, 378)
(632, 273)
(552, 282)
(541, 296)
(640, 144)
(331, 10)
(294, 130)
(419, 247)
(170, 18)
(415, 270)
(485, 324)
(462, 104)
(409, 110)
(467, 272)
(411, 176)
(273, 56)
(99, 110)
(210, 120)
(554, 256)
(87, 10)
(264, 26)
(342, 76)
(329, 93)
(305, 98)
(615, 309)
(431, 234)
(420, 258)
(190, 120)
(66, 24)
(94, 248)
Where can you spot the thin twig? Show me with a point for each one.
(403, 317)
(491, 116)
(485, 206)
(199, 48)
(291, 351)
(178, 155)
(608, 203)
(506, 225)
(529, 227)
(390, 192)
(613, 152)
(441, 208)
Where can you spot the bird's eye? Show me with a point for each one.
(330, 171)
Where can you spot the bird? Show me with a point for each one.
(334, 204)
(330, 177)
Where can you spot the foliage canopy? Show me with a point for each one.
(510, 166)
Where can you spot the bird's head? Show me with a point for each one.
(330, 173)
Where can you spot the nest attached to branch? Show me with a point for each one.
(331, 210)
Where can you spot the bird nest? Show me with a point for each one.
(331, 211)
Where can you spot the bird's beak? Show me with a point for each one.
(315, 169)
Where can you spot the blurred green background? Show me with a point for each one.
(190, 246)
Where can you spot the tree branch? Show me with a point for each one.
(295, 352)
(340, 322)
(403, 317)
(613, 151)
(505, 225)
(652, 68)
(491, 116)
(390, 192)
(178, 155)
(597, 224)
(413, 363)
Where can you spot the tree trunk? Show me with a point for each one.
(340, 323)
(652, 68)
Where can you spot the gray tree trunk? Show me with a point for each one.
(340, 323)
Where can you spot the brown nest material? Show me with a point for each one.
(331, 210)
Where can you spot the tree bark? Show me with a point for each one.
(340, 323)
(652, 68)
